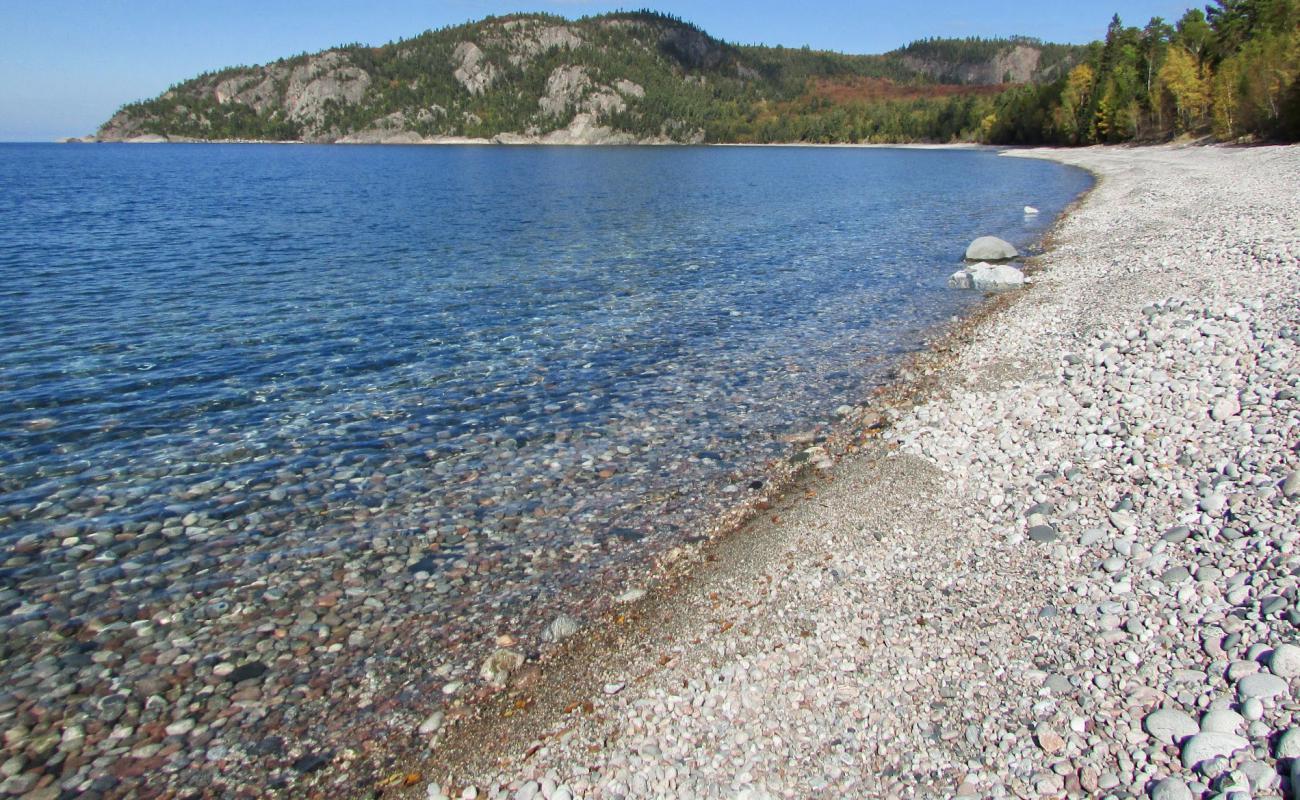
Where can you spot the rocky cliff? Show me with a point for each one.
(617, 78)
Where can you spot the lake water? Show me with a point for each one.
(367, 405)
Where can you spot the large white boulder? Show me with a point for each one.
(990, 248)
(987, 278)
(996, 278)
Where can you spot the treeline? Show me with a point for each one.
(1230, 71)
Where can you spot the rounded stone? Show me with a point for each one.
(1285, 661)
(990, 248)
(1261, 685)
(1171, 789)
(1252, 709)
(1205, 746)
(1170, 725)
(1222, 720)
(1288, 746)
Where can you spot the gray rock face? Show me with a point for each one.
(991, 248)
(526, 40)
(471, 68)
(1018, 63)
(323, 79)
(1170, 726)
(564, 88)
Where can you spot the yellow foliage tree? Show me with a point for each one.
(1067, 117)
(1188, 89)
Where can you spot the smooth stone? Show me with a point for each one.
(1043, 534)
(1176, 535)
(1291, 486)
(1261, 685)
(1170, 725)
(961, 279)
(997, 278)
(990, 248)
(1208, 745)
(1213, 503)
(1263, 777)
(1288, 746)
(1225, 407)
(180, 727)
(431, 723)
(1222, 720)
(1240, 669)
(1171, 789)
(1175, 575)
(1048, 739)
(246, 672)
(1285, 661)
(1252, 709)
(561, 628)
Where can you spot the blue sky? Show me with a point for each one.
(67, 65)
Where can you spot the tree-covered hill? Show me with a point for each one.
(637, 76)
(1230, 70)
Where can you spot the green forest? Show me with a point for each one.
(1228, 71)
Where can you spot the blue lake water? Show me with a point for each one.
(230, 374)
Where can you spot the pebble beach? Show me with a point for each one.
(1064, 566)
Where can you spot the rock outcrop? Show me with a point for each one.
(472, 69)
(622, 77)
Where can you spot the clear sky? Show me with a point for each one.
(67, 65)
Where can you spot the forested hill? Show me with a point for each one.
(1230, 71)
(618, 77)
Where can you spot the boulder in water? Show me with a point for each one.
(987, 278)
(995, 278)
(990, 248)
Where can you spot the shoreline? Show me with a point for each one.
(308, 744)
(497, 141)
(730, 539)
(694, 626)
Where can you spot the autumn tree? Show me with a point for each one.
(1186, 90)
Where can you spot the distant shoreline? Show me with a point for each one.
(464, 141)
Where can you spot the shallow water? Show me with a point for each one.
(455, 382)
